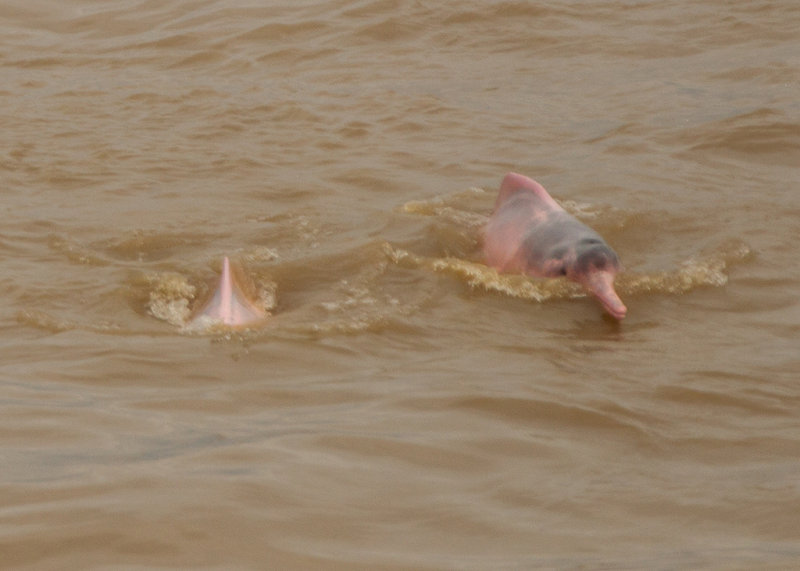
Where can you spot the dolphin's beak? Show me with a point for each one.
(230, 305)
(601, 285)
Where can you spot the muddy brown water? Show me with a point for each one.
(404, 407)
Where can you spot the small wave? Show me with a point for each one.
(705, 270)
(54, 324)
(469, 209)
(74, 251)
(762, 136)
(480, 276)
(701, 271)
(466, 208)
(357, 306)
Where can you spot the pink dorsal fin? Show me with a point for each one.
(514, 182)
(229, 304)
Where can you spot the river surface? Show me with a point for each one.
(404, 407)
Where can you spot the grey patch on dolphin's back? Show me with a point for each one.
(551, 244)
(559, 252)
(594, 253)
(540, 245)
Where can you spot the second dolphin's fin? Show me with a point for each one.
(230, 305)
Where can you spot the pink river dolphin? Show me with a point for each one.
(229, 305)
(530, 233)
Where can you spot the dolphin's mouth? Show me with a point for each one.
(616, 310)
(601, 285)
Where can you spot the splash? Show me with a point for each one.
(170, 298)
(704, 270)
(701, 271)
(479, 276)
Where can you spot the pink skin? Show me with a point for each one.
(229, 305)
(601, 285)
(530, 233)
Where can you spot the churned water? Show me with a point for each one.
(404, 406)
